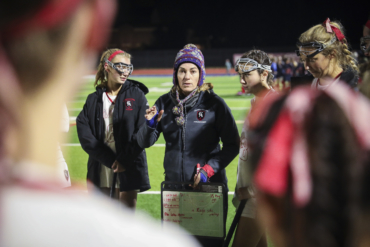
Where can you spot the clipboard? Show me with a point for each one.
(202, 213)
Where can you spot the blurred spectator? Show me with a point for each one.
(228, 66)
(365, 40)
(288, 69)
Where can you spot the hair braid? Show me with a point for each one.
(348, 56)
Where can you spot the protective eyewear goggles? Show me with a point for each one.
(246, 65)
(121, 67)
(311, 49)
(365, 43)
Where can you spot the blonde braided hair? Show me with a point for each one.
(101, 77)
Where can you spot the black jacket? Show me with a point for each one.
(350, 76)
(128, 116)
(207, 122)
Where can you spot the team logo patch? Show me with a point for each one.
(201, 115)
(129, 104)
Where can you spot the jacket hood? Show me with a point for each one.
(140, 85)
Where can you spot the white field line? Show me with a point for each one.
(73, 119)
(147, 192)
(83, 101)
(231, 108)
(158, 192)
(78, 145)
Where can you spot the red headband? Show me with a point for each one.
(286, 149)
(114, 54)
(330, 28)
(50, 15)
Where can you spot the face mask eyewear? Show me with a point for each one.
(121, 67)
(311, 49)
(246, 65)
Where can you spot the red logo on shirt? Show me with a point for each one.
(201, 115)
(129, 103)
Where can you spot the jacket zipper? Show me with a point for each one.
(183, 132)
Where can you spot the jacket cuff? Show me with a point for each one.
(152, 123)
(108, 162)
(209, 170)
(203, 176)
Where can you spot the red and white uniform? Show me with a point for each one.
(106, 174)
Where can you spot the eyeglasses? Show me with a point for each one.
(121, 67)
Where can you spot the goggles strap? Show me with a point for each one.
(254, 64)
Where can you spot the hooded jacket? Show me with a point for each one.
(207, 123)
(128, 116)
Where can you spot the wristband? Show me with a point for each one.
(203, 175)
(152, 123)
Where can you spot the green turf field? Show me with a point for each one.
(224, 86)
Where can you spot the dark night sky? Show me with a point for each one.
(226, 24)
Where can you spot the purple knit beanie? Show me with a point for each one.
(190, 54)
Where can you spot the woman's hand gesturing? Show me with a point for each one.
(151, 112)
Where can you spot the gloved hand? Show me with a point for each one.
(152, 123)
(152, 116)
(203, 174)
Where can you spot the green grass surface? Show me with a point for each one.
(225, 87)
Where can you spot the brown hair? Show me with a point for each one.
(341, 50)
(262, 58)
(332, 214)
(31, 55)
(101, 78)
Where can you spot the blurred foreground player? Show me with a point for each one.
(311, 154)
(46, 47)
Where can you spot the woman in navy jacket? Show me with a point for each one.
(193, 120)
(107, 128)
